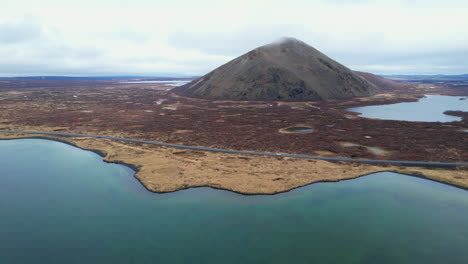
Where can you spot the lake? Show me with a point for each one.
(428, 109)
(61, 204)
(168, 83)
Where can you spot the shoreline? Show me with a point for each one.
(415, 175)
(413, 172)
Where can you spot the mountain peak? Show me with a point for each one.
(287, 41)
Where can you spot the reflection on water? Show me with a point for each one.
(60, 204)
(428, 109)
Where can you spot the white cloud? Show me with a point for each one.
(19, 31)
(192, 37)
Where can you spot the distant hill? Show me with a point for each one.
(92, 77)
(382, 83)
(438, 77)
(288, 70)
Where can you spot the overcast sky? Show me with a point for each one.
(177, 37)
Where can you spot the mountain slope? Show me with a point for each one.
(384, 84)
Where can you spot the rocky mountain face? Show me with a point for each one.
(288, 70)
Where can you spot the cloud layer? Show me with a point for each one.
(187, 38)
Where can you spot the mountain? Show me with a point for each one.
(288, 70)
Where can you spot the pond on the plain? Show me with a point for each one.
(61, 204)
(300, 129)
(430, 108)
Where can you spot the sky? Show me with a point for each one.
(191, 38)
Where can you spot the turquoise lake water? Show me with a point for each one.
(60, 204)
(428, 109)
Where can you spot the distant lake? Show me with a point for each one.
(169, 83)
(428, 109)
(60, 204)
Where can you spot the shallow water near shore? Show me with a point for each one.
(428, 109)
(60, 204)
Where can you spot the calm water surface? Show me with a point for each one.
(428, 109)
(300, 129)
(60, 204)
(169, 83)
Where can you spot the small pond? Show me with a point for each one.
(299, 129)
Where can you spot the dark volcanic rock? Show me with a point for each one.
(288, 70)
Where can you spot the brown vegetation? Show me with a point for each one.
(462, 114)
(151, 112)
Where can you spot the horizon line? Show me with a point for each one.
(122, 76)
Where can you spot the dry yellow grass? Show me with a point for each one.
(168, 169)
(324, 153)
